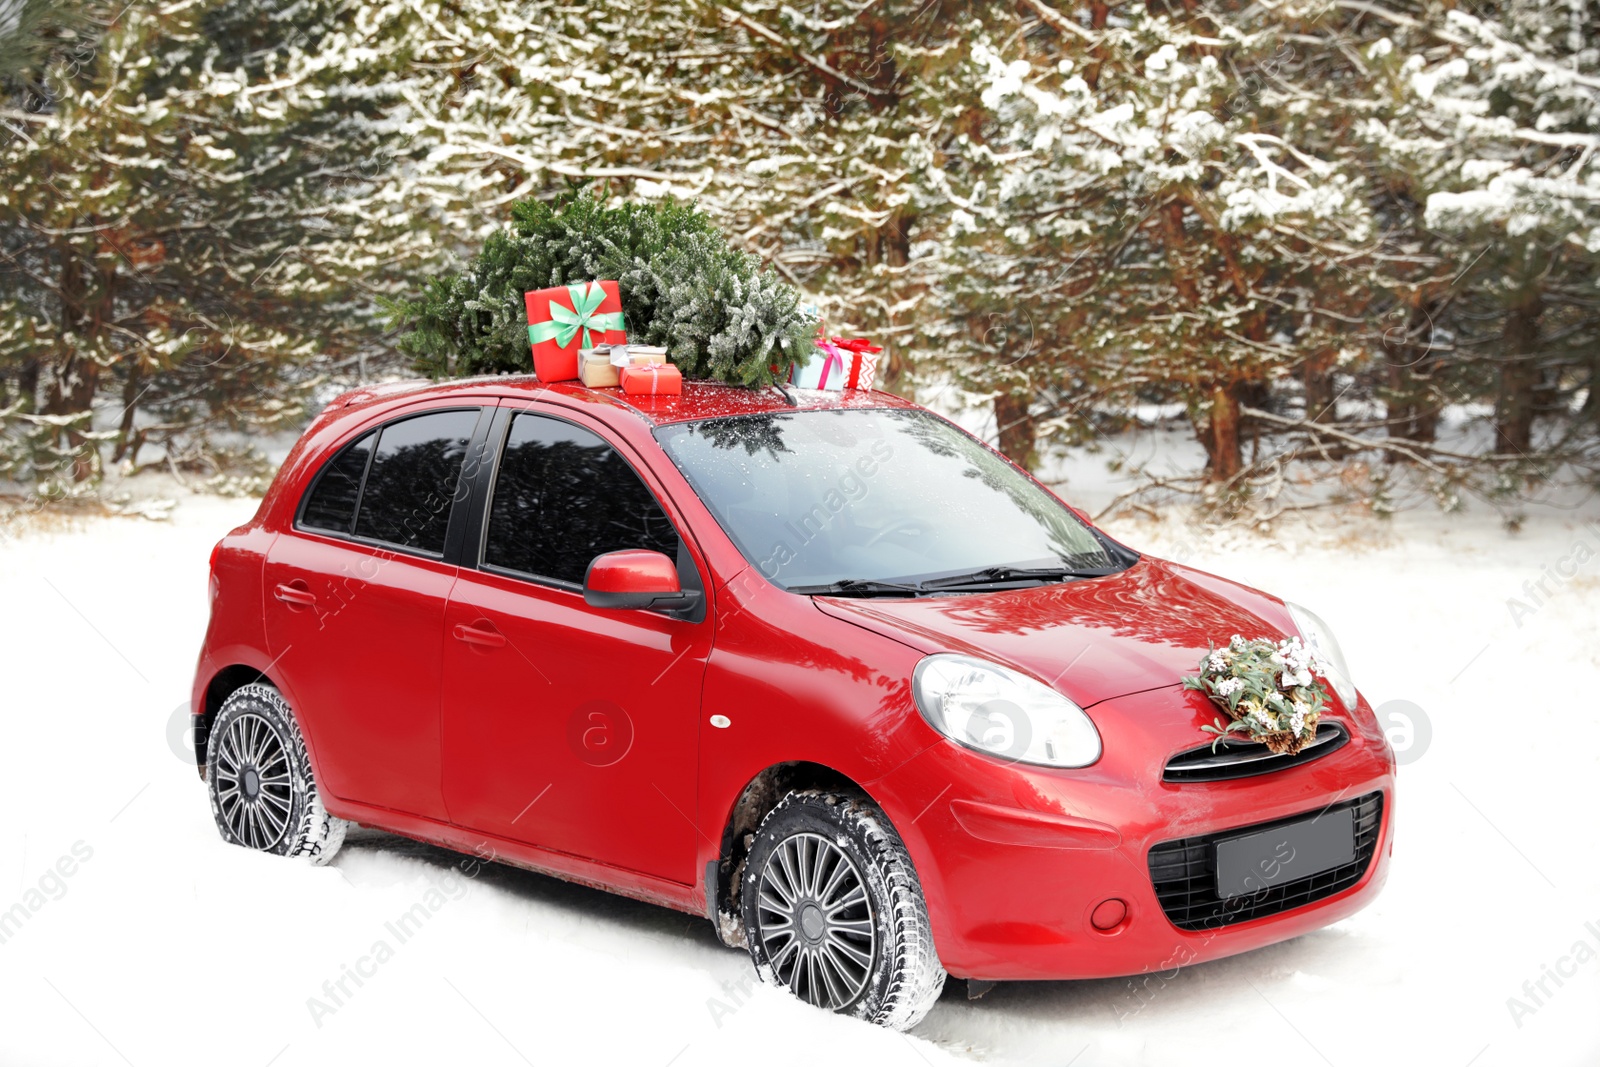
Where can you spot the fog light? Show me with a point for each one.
(1108, 914)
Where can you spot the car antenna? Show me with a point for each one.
(786, 394)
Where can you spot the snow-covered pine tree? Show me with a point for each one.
(812, 137)
(1148, 217)
(268, 171)
(186, 223)
(1500, 137)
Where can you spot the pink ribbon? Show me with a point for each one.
(834, 362)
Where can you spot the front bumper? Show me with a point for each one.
(1015, 859)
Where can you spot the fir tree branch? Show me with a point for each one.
(816, 62)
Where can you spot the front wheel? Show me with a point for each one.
(263, 795)
(833, 911)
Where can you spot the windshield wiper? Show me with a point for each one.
(1004, 573)
(858, 587)
(988, 576)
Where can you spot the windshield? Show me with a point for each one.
(816, 498)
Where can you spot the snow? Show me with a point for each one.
(146, 940)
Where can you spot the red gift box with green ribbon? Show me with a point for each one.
(569, 318)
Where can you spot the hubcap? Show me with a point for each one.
(815, 921)
(254, 789)
(811, 922)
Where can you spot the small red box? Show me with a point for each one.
(652, 379)
(568, 318)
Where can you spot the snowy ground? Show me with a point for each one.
(147, 941)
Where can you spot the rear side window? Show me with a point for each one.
(395, 484)
(562, 497)
(331, 505)
(411, 481)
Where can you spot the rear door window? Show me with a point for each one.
(412, 479)
(563, 496)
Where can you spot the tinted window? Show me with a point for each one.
(562, 497)
(331, 504)
(412, 479)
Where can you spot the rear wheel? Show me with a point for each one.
(263, 796)
(833, 911)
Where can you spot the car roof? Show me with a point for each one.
(699, 400)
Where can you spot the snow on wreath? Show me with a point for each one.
(1267, 688)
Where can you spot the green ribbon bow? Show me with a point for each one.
(564, 325)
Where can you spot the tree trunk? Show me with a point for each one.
(28, 384)
(892, 245)
(894, 239)
(1316, 374)
(1219, 434)
(1591, 403)
(1015, 422)
(1519, 377)
(76, 379)
(130, 405)
(1099, 12)
(1412, 405)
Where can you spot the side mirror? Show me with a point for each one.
(635, 578)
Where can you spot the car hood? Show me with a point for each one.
(1093, 638)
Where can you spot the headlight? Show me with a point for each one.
(1002, 713)
(1316, 634)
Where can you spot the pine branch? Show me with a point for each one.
(820, 65)
(1416, 451)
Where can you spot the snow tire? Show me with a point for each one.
(263, 795)
(820, 830)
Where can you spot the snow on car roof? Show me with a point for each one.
(709, 400)
(699, 400)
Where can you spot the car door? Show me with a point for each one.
(355, 601)
(569, 727)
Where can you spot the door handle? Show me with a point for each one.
(295, 594)
(483, 638)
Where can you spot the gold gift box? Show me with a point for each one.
(596, 370)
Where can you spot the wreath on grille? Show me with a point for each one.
(1270, 691)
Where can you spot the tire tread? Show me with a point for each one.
(915, 976)
(320, 833)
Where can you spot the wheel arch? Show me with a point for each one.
(758, 797)
(223, 683)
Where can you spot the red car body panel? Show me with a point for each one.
(1092, 639)
(367, 642)
(236, 633)
(610, 747)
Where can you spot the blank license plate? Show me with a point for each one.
(1287, 853)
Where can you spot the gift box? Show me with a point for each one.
(861, 360)
(595, 369)
(623, 355)
(569, 318)
(824, 370)
(598, 366)
(838, 363)
(653, 379)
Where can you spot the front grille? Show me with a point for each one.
(1185, 873)
(1240, 759)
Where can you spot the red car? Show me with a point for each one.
(820, 667)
